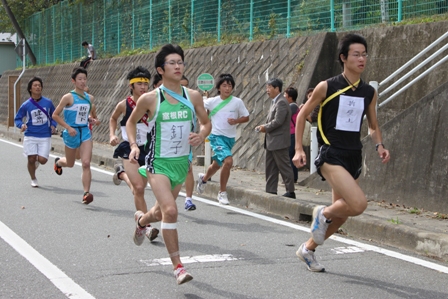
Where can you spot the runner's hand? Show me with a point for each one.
(71, 131)
(299, 159)
(113, 140)
(135, 153)
(23, 128)
(195, 139)
(384, 154)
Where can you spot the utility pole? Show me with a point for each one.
(19, 30)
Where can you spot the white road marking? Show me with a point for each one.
(363, 246)
(349, 249)
(193, 259)
(64, 283)
(72, 290)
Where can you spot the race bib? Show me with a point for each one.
(38, 117)
(174, 139)
(349, 113)
(82, 115)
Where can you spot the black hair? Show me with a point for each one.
(78, 70)
(185, 78)
(275, 82)
(138, 72)
(166, 50)
(291, 92)
(346, 41)
(84, 43)
(30, 83)
(156, 80)
(311, 89)
(224, 78)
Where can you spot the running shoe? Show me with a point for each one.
(139, 232)
(189, 205)
(34, 183)
(151, 233)
(87, 198)
(57, 168)
(319, 225)
(201, 185)
(182, 276)
(222, 198)
(307, 256)
(118, 169)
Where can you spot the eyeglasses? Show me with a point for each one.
(173, 63)
(357, 55)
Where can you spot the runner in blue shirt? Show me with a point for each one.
(38, 127)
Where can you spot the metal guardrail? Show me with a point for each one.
(413, 71)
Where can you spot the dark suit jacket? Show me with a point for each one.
(277, 125)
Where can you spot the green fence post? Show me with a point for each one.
(118, 32)
(192, 23)
(104, 26)
(62, 36)
(71, 32)
(251, 20)
(169, 21)
(219, 21)
(53, 32)
(332, 16)
(150, 24)
(288, 20)
(400, 10)
(93, 24)
(133, 26)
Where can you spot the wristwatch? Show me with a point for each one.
(378, 144)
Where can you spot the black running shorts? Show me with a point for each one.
(123, 150)
(351, 160)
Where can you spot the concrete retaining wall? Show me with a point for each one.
(301, 62)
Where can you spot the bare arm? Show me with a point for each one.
(119, 110)
(204, 121)
(146, 103)
(374, 130)
(317, 97)
(66, 100)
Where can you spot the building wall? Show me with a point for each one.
(8, 57)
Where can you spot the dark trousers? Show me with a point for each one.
(292, 152)
(278, 161)
(85, 62)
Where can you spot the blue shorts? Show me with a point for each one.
(221, 146)
(82, 134)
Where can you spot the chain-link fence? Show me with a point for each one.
(114, 26)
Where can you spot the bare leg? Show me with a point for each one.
(31, 165)
(138, 184)
(211, 170)
(189, 182)
(86, 157)
(225, 173)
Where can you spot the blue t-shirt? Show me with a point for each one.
(37, 122)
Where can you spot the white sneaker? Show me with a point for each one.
(118, 169)
(182, 276)
(34, 183)
(139, 233)
(222, 198)
(307, 256)
(319, 225)
(201, 185)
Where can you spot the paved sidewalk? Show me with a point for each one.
(422, 232)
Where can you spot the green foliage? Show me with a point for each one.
(394, 221)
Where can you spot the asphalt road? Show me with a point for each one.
(53, 246)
